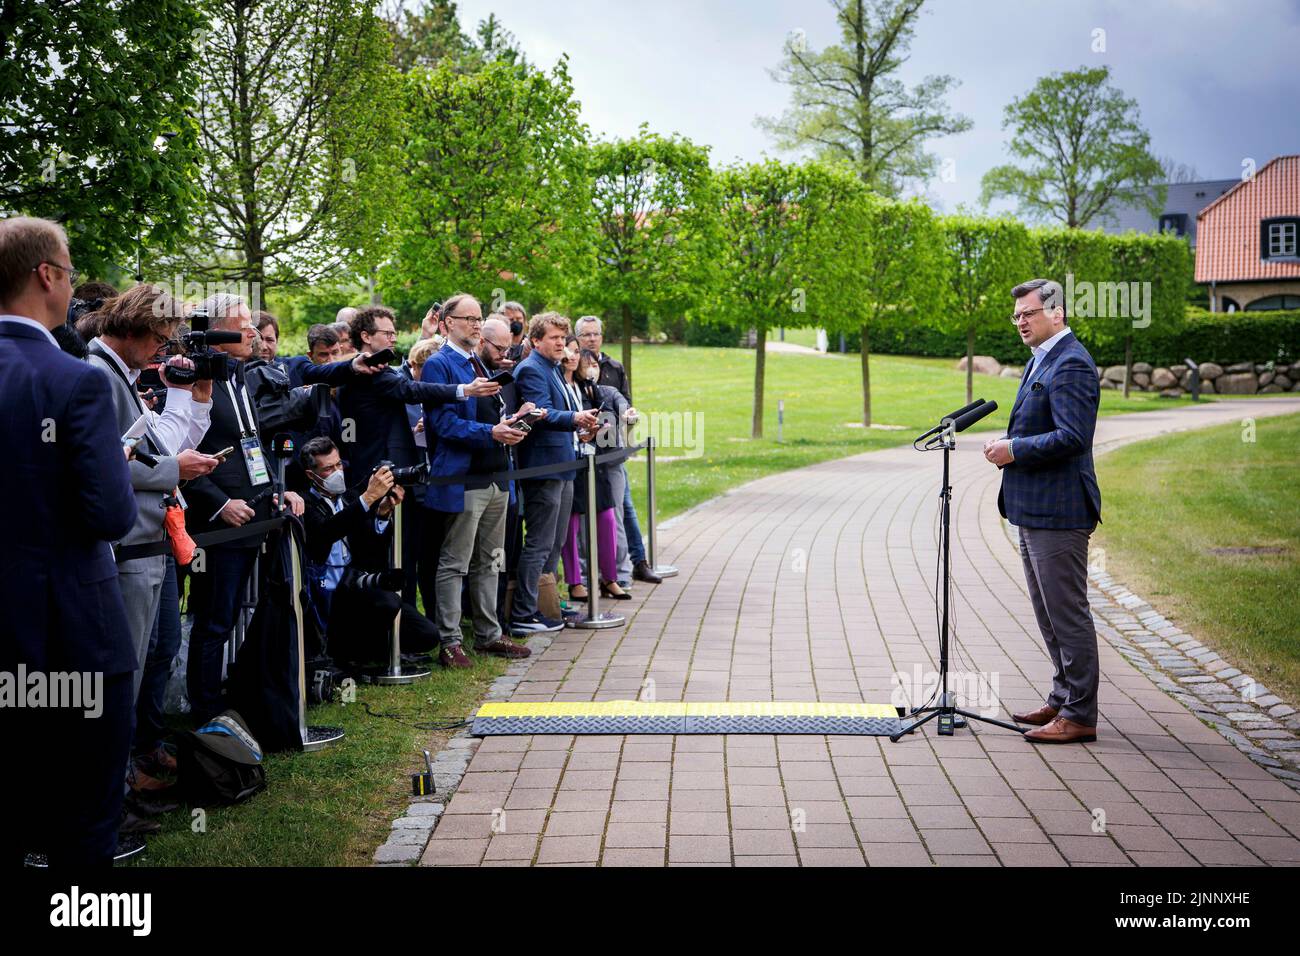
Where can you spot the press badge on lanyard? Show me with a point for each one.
(254, 459)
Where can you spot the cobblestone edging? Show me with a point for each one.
(410, 832)
(1245, 712)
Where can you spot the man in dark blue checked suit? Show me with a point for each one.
(1049, 492)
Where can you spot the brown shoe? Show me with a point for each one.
(503, 648)
(454, 657)
(1039, 718)
(1062, 730)
(643, 572)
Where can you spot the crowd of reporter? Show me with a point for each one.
(136, 420)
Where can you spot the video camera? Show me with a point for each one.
(196, 345)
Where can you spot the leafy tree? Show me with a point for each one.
(298, 124)
(848, 105)
(781, 264)
(497, 44)
(651, 215)
(93, 131)
(426, 36)
(493, 182)
(431, 35)
(1083, 147)
(895, 264)
(984, 260)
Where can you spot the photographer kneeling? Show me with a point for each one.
(355, 591)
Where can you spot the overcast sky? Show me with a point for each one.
(1216, 81)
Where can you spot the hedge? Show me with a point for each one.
(1224, 338)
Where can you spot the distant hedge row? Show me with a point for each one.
(1220, 337)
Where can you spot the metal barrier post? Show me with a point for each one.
(594, 619)
(313, 738)
(663, 570)
(395, 672)
(1194, 383)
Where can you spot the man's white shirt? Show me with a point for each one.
(183, 421)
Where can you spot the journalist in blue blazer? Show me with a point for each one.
(69, 493)
(1049, 492)
(552, 441)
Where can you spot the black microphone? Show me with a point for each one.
(948, 419)
(952, 416)
(974, 415)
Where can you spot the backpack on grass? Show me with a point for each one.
(220, 763)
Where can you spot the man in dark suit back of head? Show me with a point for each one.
(69, 494)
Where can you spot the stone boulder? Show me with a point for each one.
(1283, 382)
(1107, 383)
(1171, 393)
(1270, 389)
(1114, 373)
(1163, 378)
(1011, 371)
(1142, 367)
(1209, 371)
(1239, 368)
(1141, 379)
(984, 365)
(1236, 383)
(1265, 377)
(1207, 388)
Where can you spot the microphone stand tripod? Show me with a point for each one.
(949, 714)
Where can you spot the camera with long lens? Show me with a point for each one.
(390, 579)
(410, 475)
(196, 345)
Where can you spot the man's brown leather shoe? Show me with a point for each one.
(1062, 730)
(454, 657)
(503, 648)
(1039, 718)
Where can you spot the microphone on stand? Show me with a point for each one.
(970, 417)
(948, 419)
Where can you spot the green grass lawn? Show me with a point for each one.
(822, 396)
(1179, 512)
(331, 807)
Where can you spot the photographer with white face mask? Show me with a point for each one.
(354, 591)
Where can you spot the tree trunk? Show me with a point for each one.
(760, 363)
(970, 365)
(866, 381)
(627, 344)
(1128, 362)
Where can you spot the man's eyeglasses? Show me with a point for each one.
(501, 349)
(1017, 316)
(471, 319)
(392, 334)
(73, 274)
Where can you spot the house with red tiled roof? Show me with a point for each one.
(1248, 241)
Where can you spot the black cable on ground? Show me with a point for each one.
(446, 723)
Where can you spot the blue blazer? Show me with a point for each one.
(1052, 483)
(452, 431)
(551, 440)
(69, 494)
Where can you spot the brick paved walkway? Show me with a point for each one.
(816, 584)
